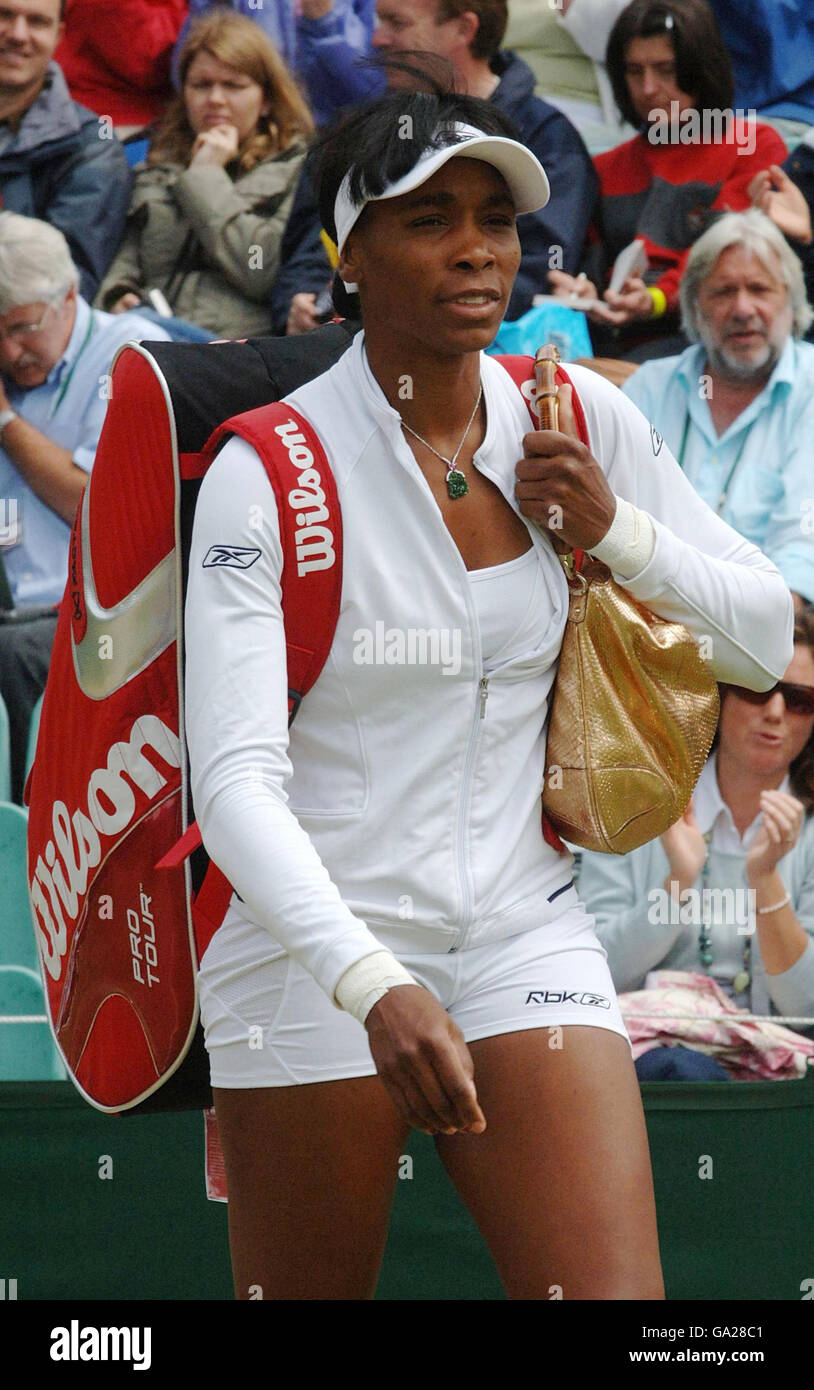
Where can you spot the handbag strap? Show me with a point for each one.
(521, 370)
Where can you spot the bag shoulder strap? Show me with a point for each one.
(311, 583)
(521, 371)
(310, 533)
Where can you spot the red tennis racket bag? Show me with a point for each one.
(123, 897)
(120, 937)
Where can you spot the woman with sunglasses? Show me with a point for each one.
(749, 827)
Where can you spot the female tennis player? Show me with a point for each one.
(404, 948)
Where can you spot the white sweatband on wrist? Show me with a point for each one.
(629, 543)
(365, 982)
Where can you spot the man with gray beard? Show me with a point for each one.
(737, 408)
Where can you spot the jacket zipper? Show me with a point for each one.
(464, 798)
(484, 695)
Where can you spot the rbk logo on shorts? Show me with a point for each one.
(563, 996)
(238, 557)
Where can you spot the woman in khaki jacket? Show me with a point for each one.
(210, 205)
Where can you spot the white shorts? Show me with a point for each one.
(268, 1023)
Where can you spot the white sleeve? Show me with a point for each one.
(237, 723)
(701, 572)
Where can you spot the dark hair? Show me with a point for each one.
(493, 17)
(801, 770)
(702, 62)
(370, 143)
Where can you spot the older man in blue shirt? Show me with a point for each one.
(55, 356)
(737, 409)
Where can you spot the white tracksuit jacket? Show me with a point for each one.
(404, 808)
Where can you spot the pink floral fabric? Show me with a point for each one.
(683, 1007)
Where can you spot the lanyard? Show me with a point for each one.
(66, 383)
(730, 475)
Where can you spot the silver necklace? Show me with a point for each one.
(457, 485)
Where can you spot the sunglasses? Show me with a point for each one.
(799, 698)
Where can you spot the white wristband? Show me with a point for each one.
(365, 982)
(628, 544)
(774, 907)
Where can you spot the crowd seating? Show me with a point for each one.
(27, 1050)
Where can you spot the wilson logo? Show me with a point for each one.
(239, 557)
(314, 540)
(61, 874)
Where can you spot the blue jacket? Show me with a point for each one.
(328, 50)
(275, 17)
(62, 166)
(771, 44)
(562, 224)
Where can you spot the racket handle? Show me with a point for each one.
(548, 404)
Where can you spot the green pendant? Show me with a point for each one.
(457, 485)
(741, 981)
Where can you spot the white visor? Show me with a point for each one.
(521, 169)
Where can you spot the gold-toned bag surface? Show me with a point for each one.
(634, 712)
(634, 707)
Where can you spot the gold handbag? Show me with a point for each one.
(633, 714)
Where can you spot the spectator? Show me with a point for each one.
(566, 70)
(467, 34)
(332, 35)
(691, 159)
(56, 162)
(118, 64)
(770, 48)
(737, 409)
(749, 827)
(210, 205)
(55, 352)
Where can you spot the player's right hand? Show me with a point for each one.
(424, 1063)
